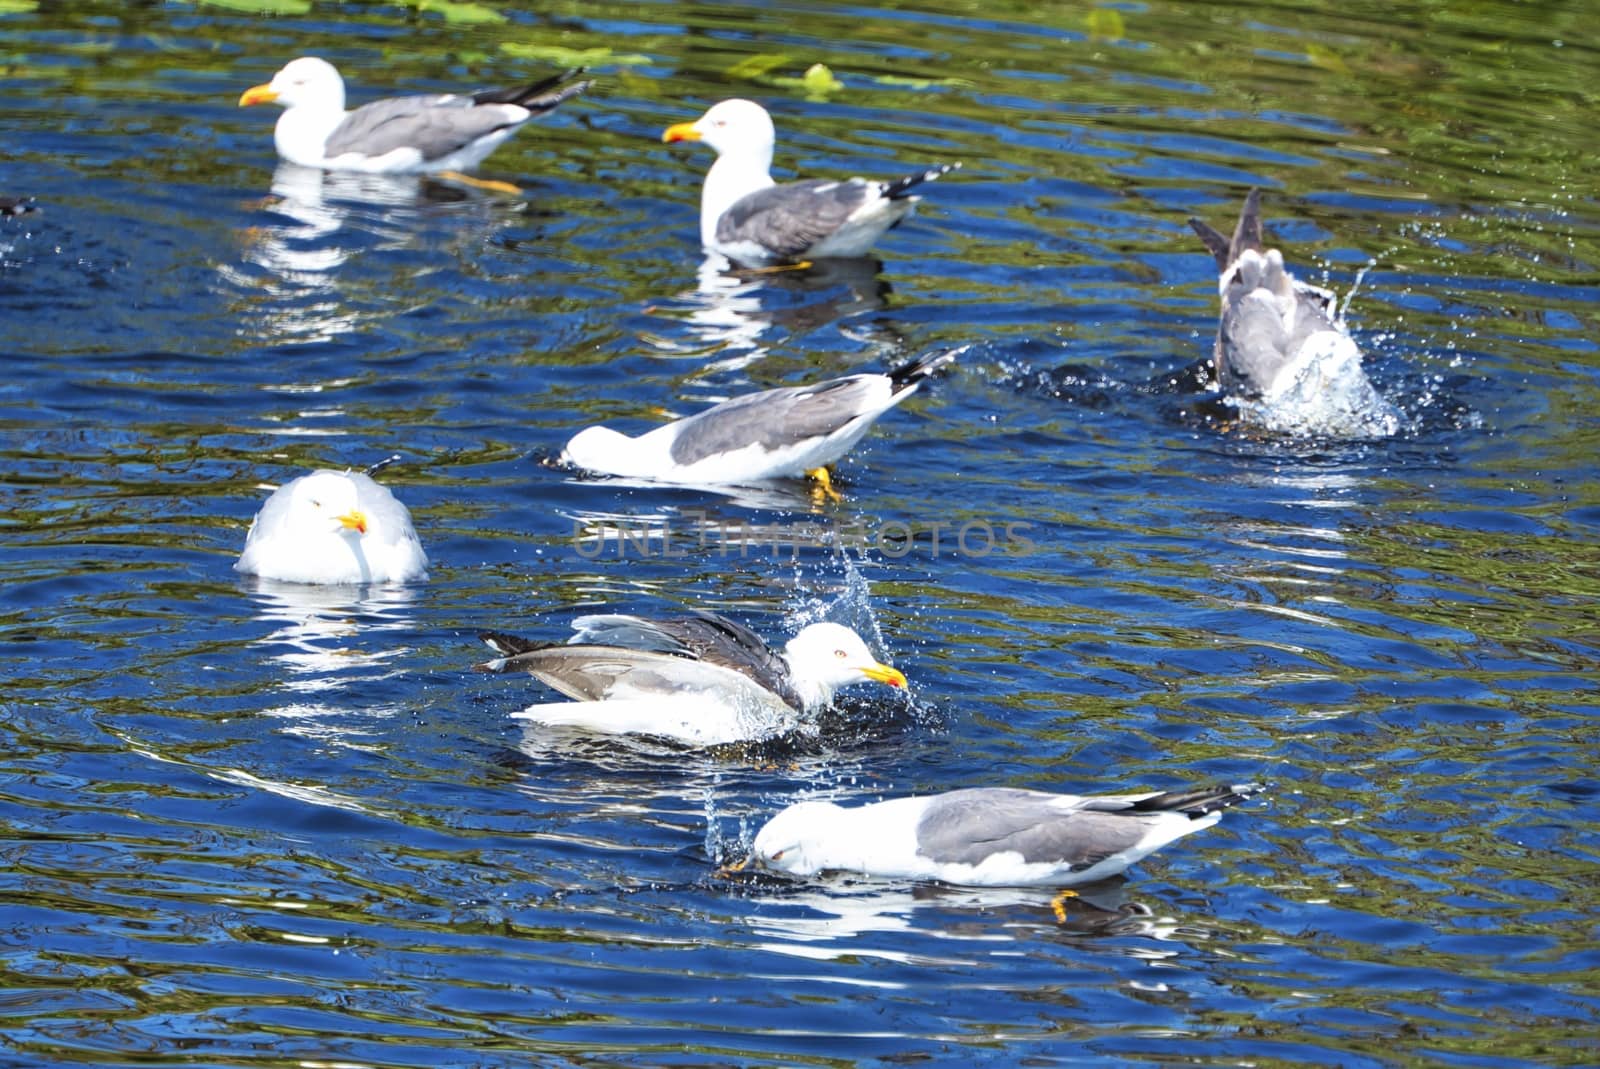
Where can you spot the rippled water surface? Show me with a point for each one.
(256, 824)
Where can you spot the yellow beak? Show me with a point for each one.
(356, 520)
(683, 131)
(257, 94)
(882, 673)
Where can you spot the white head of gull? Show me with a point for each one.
(702, 680)
(747, 217)
(425, 133)
(988, 837)
(772, 434)
(333, 527)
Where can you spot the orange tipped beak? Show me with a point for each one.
(684, 131)
(882, 673)
(257, 94)
(356, 521)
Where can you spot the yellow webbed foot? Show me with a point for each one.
(824, 488)
(1058, 905)
(481, 183)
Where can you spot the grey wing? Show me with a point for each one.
(629, 632)
(788, 219)
(965, 827)
(435, 125)
(721, 641)
(775, 418)
(704, 636)
(596, 673)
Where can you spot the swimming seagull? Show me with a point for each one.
(748, 218)
(774, 434)
(443, 132)
(989, 836)
(702, 680)
(333, 527)
(1282, 348)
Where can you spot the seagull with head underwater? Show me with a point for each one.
(773, 434)
(333, 527)
(1283, 353)
(701, 680)
(989, 836)
(752, 220)
(440, 132)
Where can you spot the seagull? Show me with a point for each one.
(333, 527)
(1282, 345)
(701, 680)
(749, 219)
(989, 836)
(774, 434)
(443, 132)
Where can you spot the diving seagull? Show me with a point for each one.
(773, 434)
(398, 135)
(1282, 347)
(701, 680)
(748, 218)
(989, 836)
(333, 527)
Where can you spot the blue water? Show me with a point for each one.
(256, 824)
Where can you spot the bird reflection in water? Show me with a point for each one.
(734, 314)
(319, 221)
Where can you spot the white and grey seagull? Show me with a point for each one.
(750, 219)
(333, 527)
(773, 434)
(989, 836)
(435, 133)
(1282, 352)
(701, 680)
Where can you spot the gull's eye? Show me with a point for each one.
(315, 503)
(778, 855)
(841, 654)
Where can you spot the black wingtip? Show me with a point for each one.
(540, 96)
(1216, 243)
(1201, 801)
(913, 372)
(1247, 235)
(902, 186)
(508, 645)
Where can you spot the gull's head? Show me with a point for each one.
(793, 841)
(325, 502)
(599, 449)
(741, 127)
(307, 80)
(824, 657)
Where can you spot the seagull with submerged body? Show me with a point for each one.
(752, 220)
(773, 434)
(989, 836)
(701, 680)
(1282, 347)
(333, 527)
(443, 133)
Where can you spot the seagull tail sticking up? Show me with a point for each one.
(900, 188)
(538, 97)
